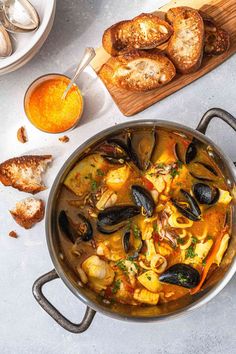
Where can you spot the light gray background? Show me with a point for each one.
(24, 326)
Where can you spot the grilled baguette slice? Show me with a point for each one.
(25, 173)
(138, 70)
(185, 47)
(28, 212)
(217, 40)
(145, 31)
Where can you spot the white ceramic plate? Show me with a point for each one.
(26, 45)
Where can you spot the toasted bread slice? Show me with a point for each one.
(25, 173)
(28, 212)
(217, 40)
(138, 70)
(145, 31)
(185, 47)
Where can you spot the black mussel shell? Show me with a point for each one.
(109, 230)
(208, 167)
(73, 231)
(141, 147)
(115, 150)
(177, 153)
(126, 241)
(143, 198)
(192, 212)
(181, 274)
(191, 153)
(116, 214)
(200, 178)
(192, 203)
(206, 194)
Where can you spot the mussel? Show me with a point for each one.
(192, 212)
(131, 244)
(82, 229)
(115, 151)
(141, 147)
(200, 178)
(191, 153)
(18, 16)
(181, 274)
(207, 166)
(178, 153)
(206, 194)
(109, 230)
(116, 214)
(143, 198)
(5, 43)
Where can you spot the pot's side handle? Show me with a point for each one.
(215, 113)
(53, 312)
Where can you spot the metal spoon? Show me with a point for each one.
(5, 43)
(89, 54)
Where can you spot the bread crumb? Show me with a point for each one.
(21, 135)
(13, 234)
(64, 139)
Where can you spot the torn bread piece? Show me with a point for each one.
(145, 31)
(217, 40)
(138, 70)
(25, 173)
(28, 212)
(185, 47)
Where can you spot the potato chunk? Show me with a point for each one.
(116, 178)
(223, 247)
(150, 281)
(146, 297)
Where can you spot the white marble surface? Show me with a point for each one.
(24, 326)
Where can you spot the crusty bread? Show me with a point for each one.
(25, 173)
(217, 40)
(138, 70)
(185, 47)
(28, 212)
(145, 31)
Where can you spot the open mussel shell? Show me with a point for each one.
(81, 229)
(192, 212)
(19, 16)
(191, 153)
(109, 230)
(141, 147)
(177, 152)
(5, 43)
(114, 151)
(206, 194)
(207, 166)
(116, 214)
(182, 275)
(143, 198)
(132, 245)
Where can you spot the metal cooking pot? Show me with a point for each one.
(212, 286)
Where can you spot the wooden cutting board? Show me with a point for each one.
(130, 103)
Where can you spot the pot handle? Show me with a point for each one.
(53, 312)
(215, 113)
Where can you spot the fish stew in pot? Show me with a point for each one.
(144, 217)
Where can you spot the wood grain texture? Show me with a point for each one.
(130, 103)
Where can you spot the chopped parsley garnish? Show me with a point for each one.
(136, 231)
(160, 165)
(174, 172)
(179, 163)
(180, 241)
(116, 286)
(148, 277)
(194, 240)
(182, 278)
(100, 172)
(120, 264)
(155, 227)
(204, 262)
(190, 252)
(94, 185)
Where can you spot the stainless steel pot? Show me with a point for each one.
(126, 312)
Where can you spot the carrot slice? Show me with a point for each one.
(209, 262)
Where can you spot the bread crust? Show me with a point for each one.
(217, 40)
(12, 172)
(26, 221)
(138, 70)
(185, 47)
(145, 31)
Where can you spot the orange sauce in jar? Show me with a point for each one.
(45, 107)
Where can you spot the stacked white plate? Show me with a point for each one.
(26, 45)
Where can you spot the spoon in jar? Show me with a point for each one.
(89, 54)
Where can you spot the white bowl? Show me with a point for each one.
(26, 45)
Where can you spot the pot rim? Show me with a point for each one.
(133, 124)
